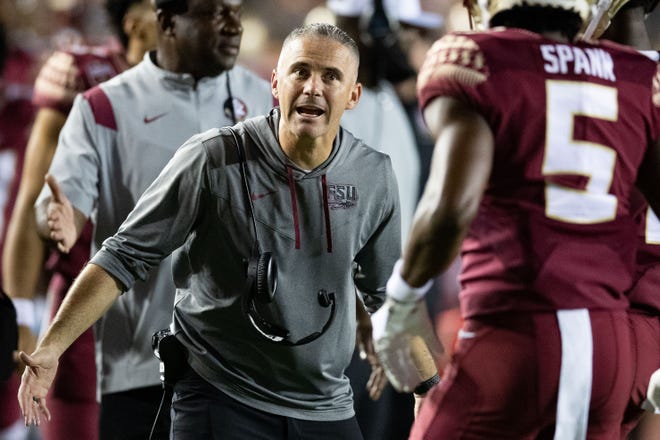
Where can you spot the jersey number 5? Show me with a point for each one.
(566, 155)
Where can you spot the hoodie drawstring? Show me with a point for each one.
(326, 212)
(294, 206)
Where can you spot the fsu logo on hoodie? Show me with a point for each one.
(341, 196)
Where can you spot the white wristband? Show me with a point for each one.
(24, 311)
(400, 290)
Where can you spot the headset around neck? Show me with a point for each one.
(262, 277)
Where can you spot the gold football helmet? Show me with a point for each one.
(601, 18)
(595, 14)
(482, 11)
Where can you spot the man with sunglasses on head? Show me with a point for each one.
(116, 140)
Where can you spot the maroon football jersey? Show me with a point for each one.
(67, 73)
(571, 123)
(16, 115)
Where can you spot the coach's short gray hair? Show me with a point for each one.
(324, 30)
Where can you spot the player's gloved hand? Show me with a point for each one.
(348, 8)
(401, 331)
(653, 392)
(403, 334)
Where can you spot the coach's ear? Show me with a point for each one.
(274, 84)
(354, 97)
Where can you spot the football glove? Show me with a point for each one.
(403, 334)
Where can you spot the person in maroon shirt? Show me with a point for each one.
(540, 140)
(17, 71)
(65, 74)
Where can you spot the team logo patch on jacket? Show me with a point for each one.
(239, 108)
(341, 196)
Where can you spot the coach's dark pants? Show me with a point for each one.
(130, 415)
(201, 411)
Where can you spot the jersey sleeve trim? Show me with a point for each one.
(454, 63)
(101, 107)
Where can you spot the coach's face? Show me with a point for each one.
(315, 81)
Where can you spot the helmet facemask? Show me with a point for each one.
(482, 11)
(601, 17)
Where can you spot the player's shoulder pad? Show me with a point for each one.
(455, 57)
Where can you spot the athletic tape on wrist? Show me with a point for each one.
(400, 290)
(24, 311)
(425, 386)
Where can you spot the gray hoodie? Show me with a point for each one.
(317, 224)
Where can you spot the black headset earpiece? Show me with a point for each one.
(261, 267)
(266, 278)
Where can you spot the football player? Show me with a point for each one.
(540, 140)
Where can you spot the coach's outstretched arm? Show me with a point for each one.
(90, 296)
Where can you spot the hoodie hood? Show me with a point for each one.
(275, 157)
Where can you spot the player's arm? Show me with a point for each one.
(59, 82)
(90, 296)
(460, 168)
(647, 183)
(647, 177)
(24, 250)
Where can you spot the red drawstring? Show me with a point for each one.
(294, 207)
